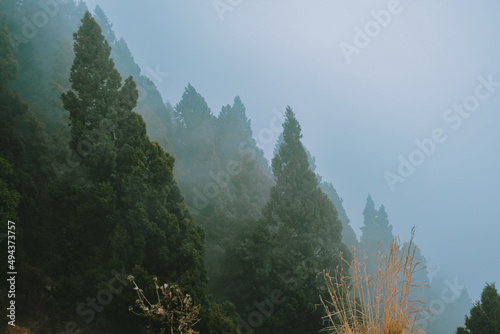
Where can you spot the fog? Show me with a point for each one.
(359, 111)
(247, 159)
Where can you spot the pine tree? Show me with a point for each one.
(247, 186)
(198, 164)
(244, 161)
(150, 106)
(369, 213)
(348, 235)
(485, 314)
(376, 231)
(95, 86)
(193, 109)
(296, 203)
(129, 212)
(106, 26)
(299, 236)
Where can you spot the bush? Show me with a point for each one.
(173, 312)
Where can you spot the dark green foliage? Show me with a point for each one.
(485, 314)
(24, 152)
(192, 109)
(8, 69)
(298, 236)
(115, 204)
(9, 197)
(8, 65)
(92, 193)
(95, 82)
(348, 235)
(128, 211)
(220, 171)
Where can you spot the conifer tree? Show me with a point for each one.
(192, 108)
(106, 26)
(485, 314)
(376, 231)
(297, 206)
(150, 105)
(95, 86)
(128, 212)
(244, 161)
(369, 213)
(299, 236)
(244, 175)
(348, 235)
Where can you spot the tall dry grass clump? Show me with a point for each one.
(379, 303)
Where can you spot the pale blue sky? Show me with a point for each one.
(357, 117)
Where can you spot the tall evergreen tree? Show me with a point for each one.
(244, 161)
(299, 236)
(376, 231)
(95, 85)
(244, 175)
(197, 159)
(348, 235)
(106, 26)
(128, 211)
(155, 113)
(297, 206)
(369, 213)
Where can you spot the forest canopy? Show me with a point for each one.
(105, 180)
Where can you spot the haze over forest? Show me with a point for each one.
(227, 137)
(357, 117)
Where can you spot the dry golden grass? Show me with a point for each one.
(375, 304)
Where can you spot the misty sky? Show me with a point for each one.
(364, 92)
